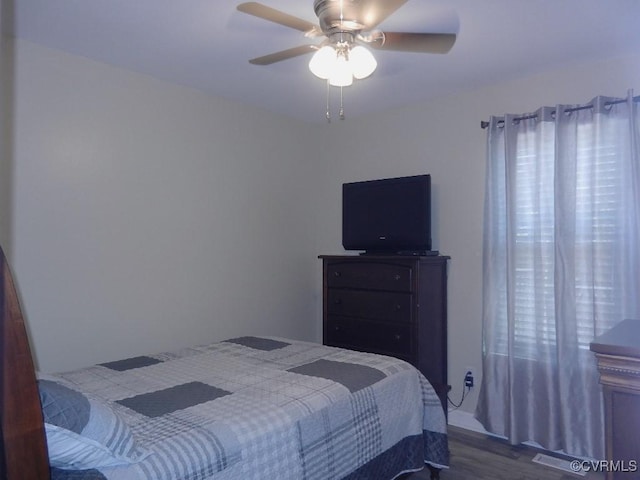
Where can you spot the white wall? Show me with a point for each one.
(150, 216)
(444, 138)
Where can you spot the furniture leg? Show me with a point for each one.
(435, 472)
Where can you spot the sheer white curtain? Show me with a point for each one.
(561, 266)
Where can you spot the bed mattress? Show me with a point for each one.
(255, 408)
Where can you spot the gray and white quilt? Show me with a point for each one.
(246, 408)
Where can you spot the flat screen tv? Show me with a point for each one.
(388, 216)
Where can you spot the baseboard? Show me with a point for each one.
(466, 420)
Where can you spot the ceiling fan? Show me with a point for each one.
(348, 26)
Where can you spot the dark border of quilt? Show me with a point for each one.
(59, 474)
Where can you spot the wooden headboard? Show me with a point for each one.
(24, 448)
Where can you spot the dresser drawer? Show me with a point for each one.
(377, 337)
(392, 306)
(370, 275)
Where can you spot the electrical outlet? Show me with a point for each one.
(469, 377)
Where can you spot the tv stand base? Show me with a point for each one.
(403, 253)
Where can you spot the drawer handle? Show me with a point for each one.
(398, 307)
(337, 274)
(398, 337)
(337, 301)
(397, 277)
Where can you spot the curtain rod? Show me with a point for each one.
(485, 124)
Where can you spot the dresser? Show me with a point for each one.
(618, 355)
(392, 305)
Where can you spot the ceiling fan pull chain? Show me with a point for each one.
(341, 104)
(328, 102)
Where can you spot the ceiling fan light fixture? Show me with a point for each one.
(323, 62)
(362, 62)
(341, 65)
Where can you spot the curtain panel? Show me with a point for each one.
(561, 265)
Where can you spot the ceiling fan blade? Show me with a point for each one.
(271, 14)
(373, 12)
(413, 42)
(283, 55)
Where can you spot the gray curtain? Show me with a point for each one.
(561, 266)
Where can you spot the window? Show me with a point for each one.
(561, 265)
(599, 199)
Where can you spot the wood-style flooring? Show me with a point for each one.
(475, 456)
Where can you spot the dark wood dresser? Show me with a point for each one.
(393, 305)
(618, 355)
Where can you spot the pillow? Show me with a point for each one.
(83, 432)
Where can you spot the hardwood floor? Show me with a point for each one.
(475, 456)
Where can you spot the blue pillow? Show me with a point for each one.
(84, 432)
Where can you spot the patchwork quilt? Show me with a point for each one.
(246, 408)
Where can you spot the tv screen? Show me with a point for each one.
(387, 216)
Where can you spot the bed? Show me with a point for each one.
(245, 408)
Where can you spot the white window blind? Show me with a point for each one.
(598, 200)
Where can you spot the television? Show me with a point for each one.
(388, 216)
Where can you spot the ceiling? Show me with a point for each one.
(206, 44)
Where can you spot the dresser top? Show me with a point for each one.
(621, 340)
(355, 256)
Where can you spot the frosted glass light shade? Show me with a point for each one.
(323, 62)
(341, 75)
(362, 62)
